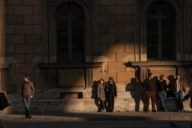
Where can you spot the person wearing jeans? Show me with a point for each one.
(180, 89)
(27, 92)
(162, 91)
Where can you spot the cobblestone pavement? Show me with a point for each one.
(100, 120)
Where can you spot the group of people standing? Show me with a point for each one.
(155, 89)
(106, 93)
(158, 88)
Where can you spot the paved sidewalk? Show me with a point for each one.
(101, 120)
(97, 116)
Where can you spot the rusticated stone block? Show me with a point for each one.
(23, 29)
(110, 10)
(38, 29)
(19, 58)
(106, 19)
(25, 68)
(125, 56)
(15, 39)
(10, 49)
(125, 77)
(9, 29)
(118, 47)
(22, 10)
(106, 2)
(39, 49)
(38, 10)
(101, 48)
(15, 2)
(33, 19)
(116, 66)
(104, 75)
(106, 38)
(14, 19)
(126, 2)
(33, 2)
(130, 47)
(68, 78)
(33, 38)
(26, 48)
(121, 87)
(125, 19)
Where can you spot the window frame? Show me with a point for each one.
(70, 44)
(142, 30)
(158, 17)
(89, 33)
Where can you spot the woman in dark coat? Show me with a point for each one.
(111, 93)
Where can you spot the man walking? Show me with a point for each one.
(27, 92)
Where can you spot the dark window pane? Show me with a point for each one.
(161, 31)
(70, 33)
(152, 25)
(152, 39)
(152, 52)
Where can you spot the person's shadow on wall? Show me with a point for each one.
(94, 94)
(137, 92)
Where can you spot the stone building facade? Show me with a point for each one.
(66, 45)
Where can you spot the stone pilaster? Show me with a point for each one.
(2, 32)
(2, 46)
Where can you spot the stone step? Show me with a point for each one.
(72, 95)
(59, 106)
(82, 105)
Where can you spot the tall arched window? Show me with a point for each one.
(161, 31)
(70, 33)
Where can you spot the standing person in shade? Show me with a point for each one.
(179, 93)
(111, 93)
(27, 93)
(189, 94)
(101, 95)
(150, 85)
(171, 86)
(162, 91)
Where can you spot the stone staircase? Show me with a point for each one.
(60, 101)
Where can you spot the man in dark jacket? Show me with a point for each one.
(150, 91)
(111, 93)
(162, 91)
(27, 92)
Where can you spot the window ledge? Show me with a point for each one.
(158, 63)
(69, 65)
(2, 67)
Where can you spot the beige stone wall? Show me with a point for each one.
(116, 33)
(116, 43)
(24, 39)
